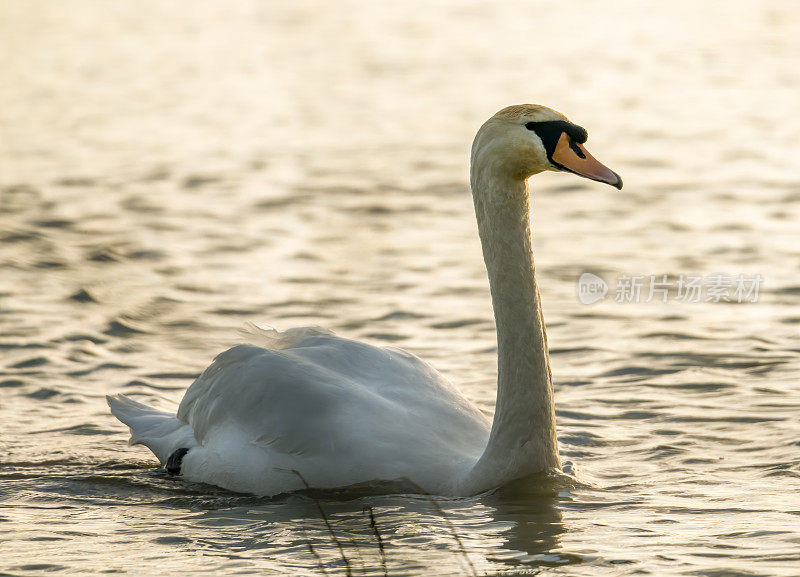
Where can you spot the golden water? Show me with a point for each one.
(169, 171)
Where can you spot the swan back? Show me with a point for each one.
(340, 411)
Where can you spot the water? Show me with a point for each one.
(168, 174)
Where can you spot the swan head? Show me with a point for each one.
(526, 139)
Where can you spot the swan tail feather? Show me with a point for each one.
(161, 432)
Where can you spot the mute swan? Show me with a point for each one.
(308, 408)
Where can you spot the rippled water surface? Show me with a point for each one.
(171, 171)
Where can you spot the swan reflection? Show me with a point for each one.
(367, 533)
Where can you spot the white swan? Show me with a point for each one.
(310, 407)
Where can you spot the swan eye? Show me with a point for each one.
(530, 126)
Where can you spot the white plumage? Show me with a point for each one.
(338, 411)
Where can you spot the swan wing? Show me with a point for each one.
(339, 410)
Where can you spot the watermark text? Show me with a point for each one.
(641, 288)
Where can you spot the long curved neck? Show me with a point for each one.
(523, 436)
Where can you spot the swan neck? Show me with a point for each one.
(523, 435)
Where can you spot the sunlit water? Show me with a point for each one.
(171, 171)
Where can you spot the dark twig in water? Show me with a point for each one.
(348, 570)
(447, 522)
(374, 525)
(314, 553)
(360, 557)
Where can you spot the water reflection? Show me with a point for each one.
(528, 507)
(517, 526)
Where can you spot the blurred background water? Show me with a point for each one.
(169, 171)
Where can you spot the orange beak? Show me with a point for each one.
(572, 156)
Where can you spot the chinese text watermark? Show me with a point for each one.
(640, 288)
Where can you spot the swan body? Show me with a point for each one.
(337, 410)
(306, 408)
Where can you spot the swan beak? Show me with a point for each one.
(573, 157)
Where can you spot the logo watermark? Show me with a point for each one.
(591, 288)
(640, 288)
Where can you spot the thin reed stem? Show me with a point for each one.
(374, 525)
(348, 569)
(449, 524)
